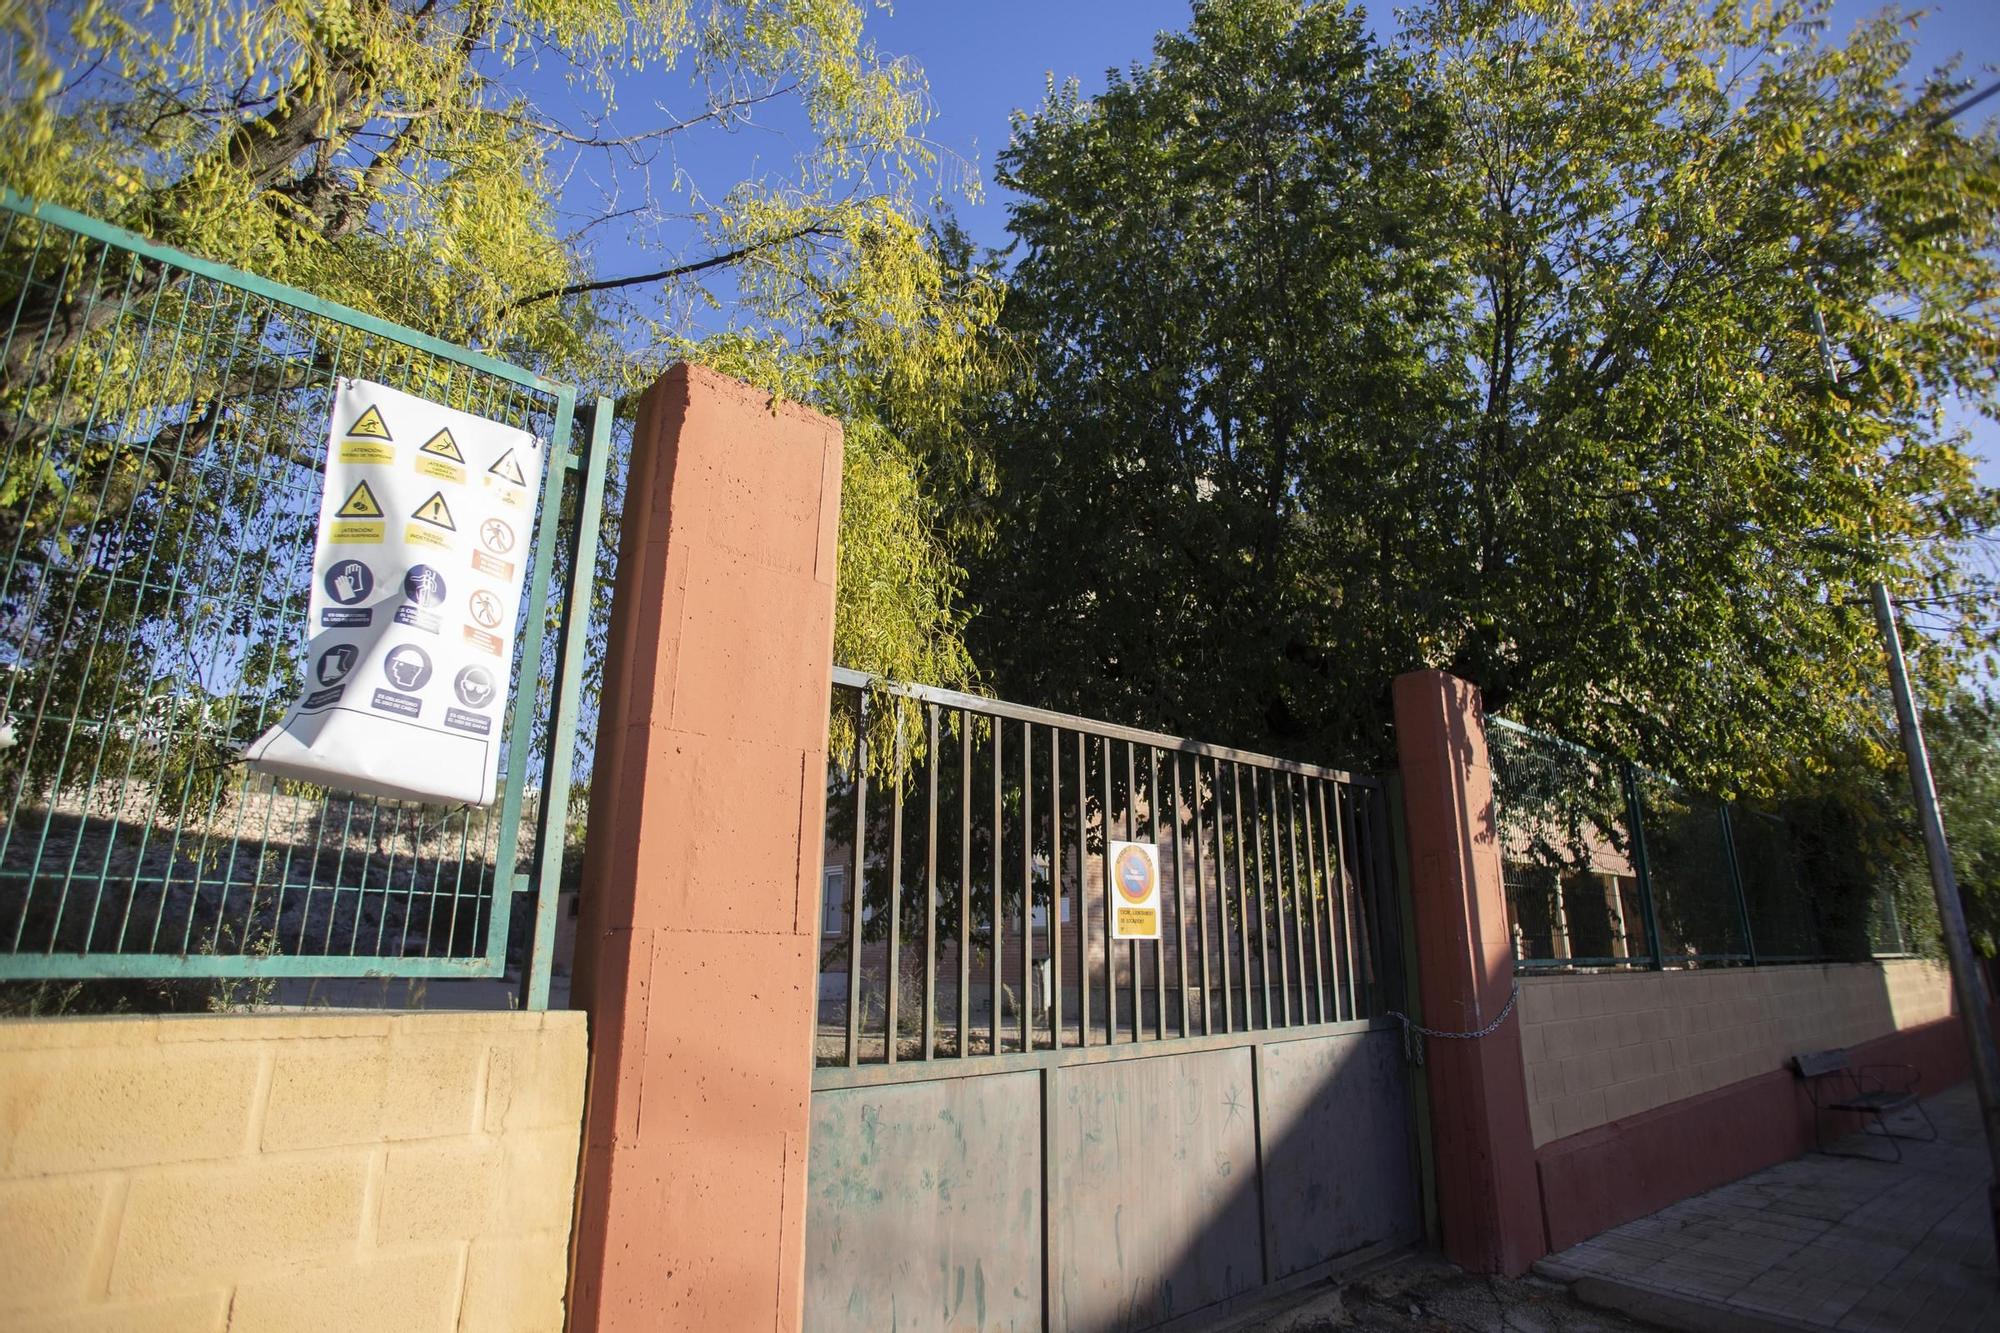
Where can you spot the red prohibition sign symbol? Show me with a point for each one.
(1134, 873)
(486, 608)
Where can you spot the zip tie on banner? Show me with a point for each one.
(1414, 1032)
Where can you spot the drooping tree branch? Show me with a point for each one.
(721, 260)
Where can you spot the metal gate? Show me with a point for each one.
(162, 434)
(1018, 1123)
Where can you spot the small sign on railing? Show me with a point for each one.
(1135, 871)
(416, 579)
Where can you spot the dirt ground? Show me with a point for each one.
(1424, 1294)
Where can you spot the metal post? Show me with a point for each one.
(1728, 822)
(1968, 983)
(1635, 813)
(1966, 978)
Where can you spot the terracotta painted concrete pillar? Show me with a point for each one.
(1489, 1197)
(695, 951)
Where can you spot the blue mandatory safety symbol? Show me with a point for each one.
(408, 667)
(423, 585)
(350, 581)
(335, 663)
(474, 687)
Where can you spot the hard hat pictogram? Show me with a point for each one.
(407, 666)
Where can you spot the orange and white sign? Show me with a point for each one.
(1135, 891)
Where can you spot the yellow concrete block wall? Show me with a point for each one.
(1601, 1046)
(408, 1172)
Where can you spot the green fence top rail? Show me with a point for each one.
(849, 678)
(98, 230)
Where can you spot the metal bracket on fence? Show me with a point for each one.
(1414, 1032)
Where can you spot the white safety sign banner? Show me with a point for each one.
(416, 584)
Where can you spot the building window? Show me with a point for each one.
(833, 901)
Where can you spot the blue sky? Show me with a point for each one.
(986, 60)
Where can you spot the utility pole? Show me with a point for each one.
(1968, 981)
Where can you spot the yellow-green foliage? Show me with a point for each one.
(397, 157)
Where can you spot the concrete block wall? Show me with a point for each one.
(1603, 1046)
(289, 1172)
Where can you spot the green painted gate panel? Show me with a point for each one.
(1157, 1161)
(1339, 1163)
(1182, 1179)
(925, 1206)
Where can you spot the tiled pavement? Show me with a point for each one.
(1825, 1242)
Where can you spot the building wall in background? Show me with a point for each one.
(292, 1172)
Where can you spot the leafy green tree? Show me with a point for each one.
(471, 168)
(1674, 513)
(1495, 351)
(1965, 758)
(1230, 286)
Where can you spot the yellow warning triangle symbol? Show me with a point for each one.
(434, 511)
(508, 468)
(368, 426)
(360, 502)
(443, 445)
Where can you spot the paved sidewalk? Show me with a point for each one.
(1820, 1242)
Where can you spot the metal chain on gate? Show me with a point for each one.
(1414, 1032)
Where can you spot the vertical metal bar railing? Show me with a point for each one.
(1316, 875)
(1263, 898)
(1242, 895)
(935, 762)
(1642, 871)
(1104, 892)
(1344, 853)
(1134, 995)
(1268, 880)
(1727, 827)
(1159, 944)
(1056, 895)
(891, 1006)
(858, 867)
(996, 964)
(1180, 895)
(1301, 885)
(1024, 1007)
(964, 884)
(1201, 914)
(1082, 893)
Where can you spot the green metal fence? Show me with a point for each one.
(1609, 865)
(162, 435)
